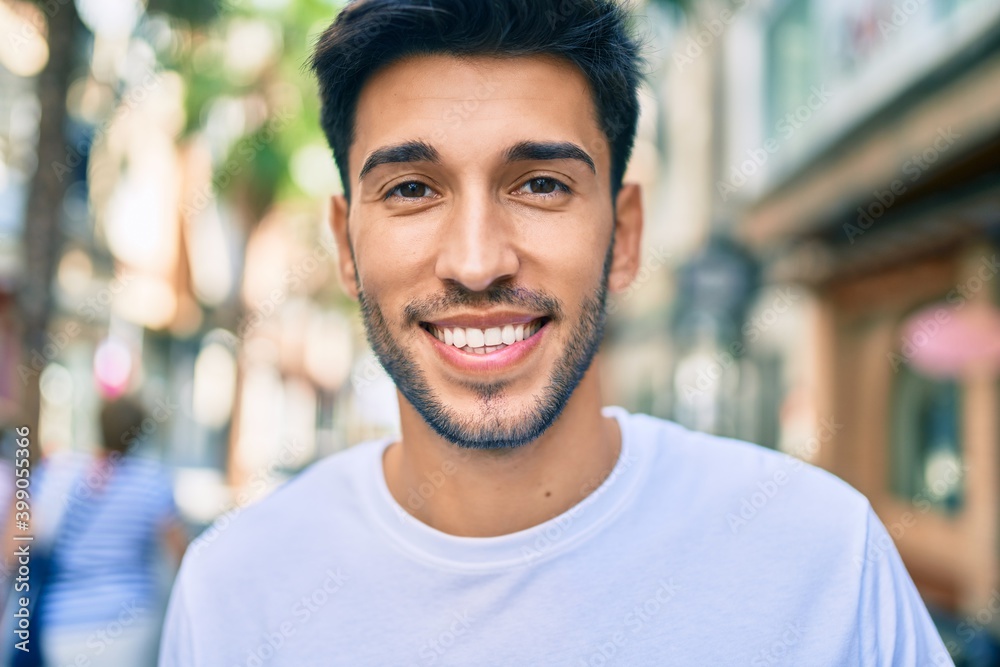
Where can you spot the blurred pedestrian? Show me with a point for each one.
(101, 522)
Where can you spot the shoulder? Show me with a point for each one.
(320, 501)
(142, 486)
(743, 483)
(145, 468)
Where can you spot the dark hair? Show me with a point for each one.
(370, 34)
(121, 423)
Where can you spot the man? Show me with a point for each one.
(517, 522)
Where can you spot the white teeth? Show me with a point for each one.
(484, 341)
(475, 337)
(507, 334)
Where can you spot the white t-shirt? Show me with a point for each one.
(696, 550)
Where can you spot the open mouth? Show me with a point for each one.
(485, 341)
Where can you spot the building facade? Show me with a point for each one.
(863, 167)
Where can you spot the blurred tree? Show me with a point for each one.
(42, 237)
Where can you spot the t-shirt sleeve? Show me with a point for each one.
(893, 621)
(177, 642)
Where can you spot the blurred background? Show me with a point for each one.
(822, 184)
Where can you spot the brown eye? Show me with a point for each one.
(410, 190)
(542, 185)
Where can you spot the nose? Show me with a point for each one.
(476, 247)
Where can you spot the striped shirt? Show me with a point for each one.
(104, 556)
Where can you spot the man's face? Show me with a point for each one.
(480, 225)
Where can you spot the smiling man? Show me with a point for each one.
(516, 521)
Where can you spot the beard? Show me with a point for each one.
(495, 426)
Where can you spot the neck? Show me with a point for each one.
(477, 493)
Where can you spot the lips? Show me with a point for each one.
(475, 355)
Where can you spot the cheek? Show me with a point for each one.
(389, 263)
(571, 258)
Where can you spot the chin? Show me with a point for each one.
(490, 416)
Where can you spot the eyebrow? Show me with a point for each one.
(419, 151)
(549, 150)
(410, 151)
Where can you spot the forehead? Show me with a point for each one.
(476, 105)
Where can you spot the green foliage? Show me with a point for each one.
(258, 162)
(195, 12)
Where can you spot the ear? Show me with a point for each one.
(628, 237)
(345, 257)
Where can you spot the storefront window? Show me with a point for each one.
(926, 466)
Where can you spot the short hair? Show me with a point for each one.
(371, 34)
(121, 423)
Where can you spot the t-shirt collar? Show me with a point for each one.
(522, 548)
